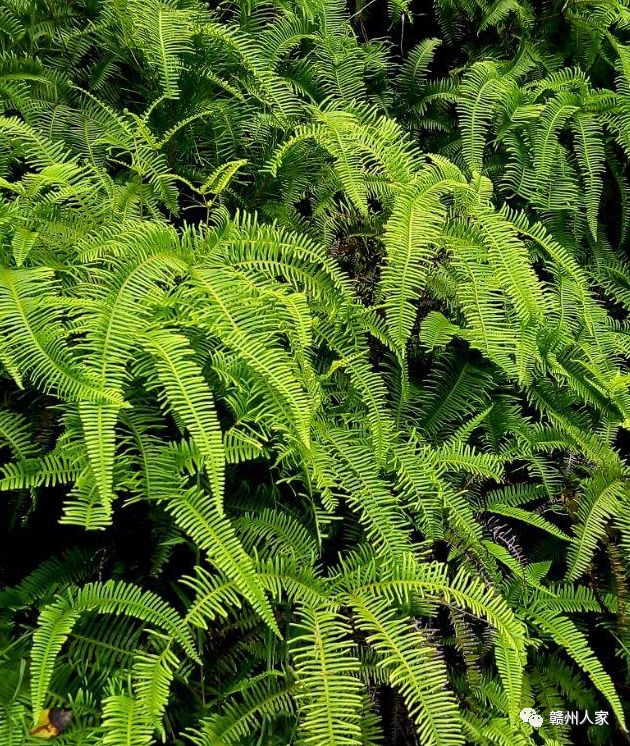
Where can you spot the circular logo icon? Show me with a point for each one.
(529, 715)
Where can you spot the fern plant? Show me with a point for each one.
(314, 352)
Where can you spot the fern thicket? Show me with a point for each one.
(313, 341)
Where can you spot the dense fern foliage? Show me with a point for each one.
(313, 346)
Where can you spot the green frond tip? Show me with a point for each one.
(411, 239)
(413, 666)
(212, 532)
(187, 395)
(328, 691)
(57, 620)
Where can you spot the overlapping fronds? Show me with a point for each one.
(314, 347)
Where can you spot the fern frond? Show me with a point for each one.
(328, 691)
(414, 667)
